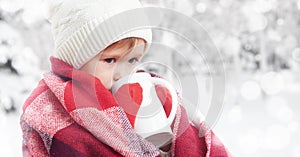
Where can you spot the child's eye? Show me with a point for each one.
(110, 60)
(133, 60)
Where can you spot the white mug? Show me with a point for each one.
(151, 121)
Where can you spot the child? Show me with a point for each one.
(72, 111)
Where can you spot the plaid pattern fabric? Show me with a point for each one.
(70, 113)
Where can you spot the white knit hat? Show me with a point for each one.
(74, 21)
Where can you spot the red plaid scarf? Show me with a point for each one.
(70, 113)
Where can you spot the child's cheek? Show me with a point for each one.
(125, 68)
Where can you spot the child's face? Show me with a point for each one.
(115, 62)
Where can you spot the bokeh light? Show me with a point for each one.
(277, 107)
(274, 35)
(33, 12)
(201, 7)
(272, 83)
(265, 5)
(225, 3)
(294, 126)
(186, 7)
(250, 90)
(231, 46)
(257, 22)
(277, 137)
(26, 61)
(280, 22)
(296, 151)
(11, 5)
(250, 141)
(235, 115)
(296, 54)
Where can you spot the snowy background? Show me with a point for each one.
(260, 44)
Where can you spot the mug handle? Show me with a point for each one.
(173, 93)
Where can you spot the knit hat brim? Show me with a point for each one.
(83, 29)
(81, 48)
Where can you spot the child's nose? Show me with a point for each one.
(117, 76)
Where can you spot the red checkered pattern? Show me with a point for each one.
(70, 113)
